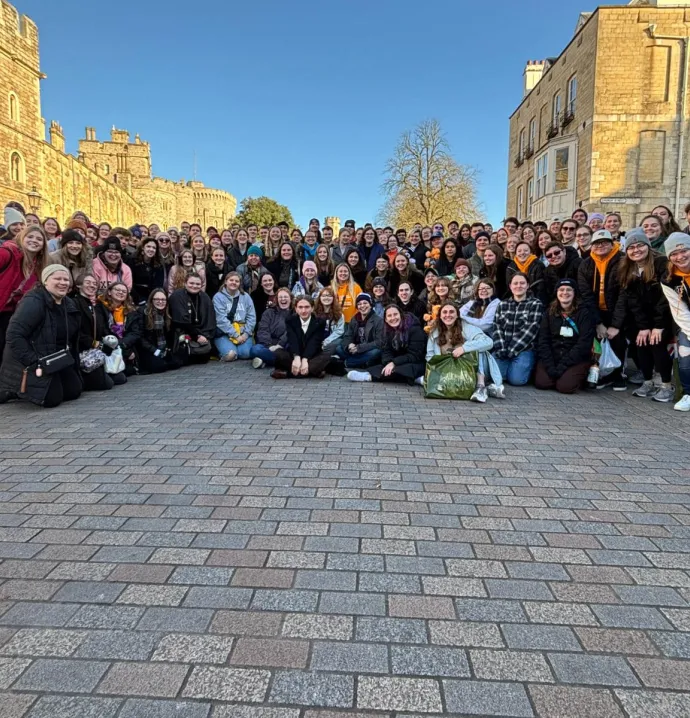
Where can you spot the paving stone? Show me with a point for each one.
(631, 617)
(175, 619)
(487, 699)
(662, 673)
(143, 679)
(75, 707)
(573, 614)
(654, 704)
(357, 604)
(144, 708)
(201, 575)
(38, 614)
(592, 670)
(238, 711)
(217, 597)
(141, 573)
(387, 583)
(449, 633)
(15, 705)
(22, 590)
(390, 630)
(117, 645)
(490, 610)
(420, 607)
(335, 628)
(266, 578)
(520, 590)
(399, 694)
(270, 652)
(11, 669)
(564, 701)
(610, 640)
(673, 645)
(108, 617)
(185, 648)
(61, 676)
(313, 689)
(429, 661)
(540, 638)
(510, 666)
(290, 600)
(349, 657)
(650, 595)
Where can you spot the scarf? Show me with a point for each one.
(286, 274)
(685, 276)
(159, 329)
(524, 266)
(309, 252)
(601, 264)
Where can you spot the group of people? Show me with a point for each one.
(86, 306)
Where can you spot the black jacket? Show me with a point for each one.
(235, 257)
(148, 341)
(499, 280)
(215, 277)
(146, 278)
(412, 352)
(90, 332)
(272, 330)
(188, 320)
(305, 346)
(415, 307)
(33, 333)
(373, 332)
(418, 253)
(285, 274)
(415, 278)
(558, 353)
(643, 305)
(535, 274)
(567, 270)
(588, 281)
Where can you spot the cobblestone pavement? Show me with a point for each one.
(215, 544)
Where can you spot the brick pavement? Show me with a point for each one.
(214, 544)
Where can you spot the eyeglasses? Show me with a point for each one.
(567, 229)
(163, 241)
(555, 253)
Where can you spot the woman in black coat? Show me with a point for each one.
(403, 350)
(148, 271)
(193, 316)
(157, 338)
(304, 355)
(564, 343)
(94, 326)
(46, 321)
(216, 269)
(408, 303)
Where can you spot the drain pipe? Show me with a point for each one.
(651, 30)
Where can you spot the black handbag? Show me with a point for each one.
(196, 349)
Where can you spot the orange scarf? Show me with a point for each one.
(524, 266)
(601, 264)
(119, 315)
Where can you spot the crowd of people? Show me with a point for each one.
(85, 306)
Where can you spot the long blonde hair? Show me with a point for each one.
(38, 263)
(352, 286)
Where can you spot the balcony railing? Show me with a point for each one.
(568, 117)
(529, 151)
(552, 130)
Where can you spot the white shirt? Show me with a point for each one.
(305, 325)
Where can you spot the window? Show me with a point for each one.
(16, 167)
(561, 169)
(556, 109)
(518, 209)
(542, 174)
(521, 148)
(530, 196)
(572, 94)
(533, 133)
(14, 107)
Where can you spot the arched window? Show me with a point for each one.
(14, 107)
(16, 167)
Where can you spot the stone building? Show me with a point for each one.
(109, 180)
(334, 223)
(604, 125)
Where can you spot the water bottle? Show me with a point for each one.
(593, 376)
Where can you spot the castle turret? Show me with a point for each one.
(57, 136)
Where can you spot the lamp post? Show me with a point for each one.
(34, 200)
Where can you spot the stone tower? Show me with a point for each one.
(333, 222)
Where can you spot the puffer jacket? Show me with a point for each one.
(588, 281)
(33, 333)
(567, 270)
(244, 313)
(271, 331)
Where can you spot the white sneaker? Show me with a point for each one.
(230, 356)
(496, 391)
(419, 380)
(258, 363)
(480, 395)
(359, 375)
(683, 404)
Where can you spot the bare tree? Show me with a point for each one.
(424, 183)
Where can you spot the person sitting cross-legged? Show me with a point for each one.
(360, 346)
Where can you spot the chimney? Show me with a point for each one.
(533, 72)
(90, 134)
(57, 136)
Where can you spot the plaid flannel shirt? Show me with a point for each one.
(516, 326)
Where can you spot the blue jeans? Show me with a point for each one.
(684, 361)
(264, 353)
(518, 370)
(353, 361)
(224, 345)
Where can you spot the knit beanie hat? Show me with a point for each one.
(596, 215)
(636, 236)
(676, 240)
(364, 297)
(77, 224)
(13, 216)
(482, 234)
(309, 265)
(110, 243)
(51, 269)
(71, 235)
(379, 282)
(567, 282)
(254, 249)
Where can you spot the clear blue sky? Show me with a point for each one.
(299, 100)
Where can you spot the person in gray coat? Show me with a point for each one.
(271, 334)
(361, 343)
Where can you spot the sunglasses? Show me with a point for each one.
(556, 253)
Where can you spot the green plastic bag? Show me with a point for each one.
(449, 378)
